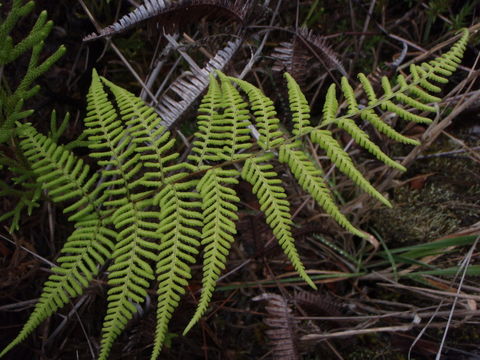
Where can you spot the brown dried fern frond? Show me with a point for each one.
(281, 327)
(297, 56)
(324, 304)
(170, 15)
(191, 86)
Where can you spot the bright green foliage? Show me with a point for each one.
(343, 161)
(180, 240)
(91, 243)
(415, 94)
(272, 198)
(60, 172)
(219, 216)
(149, 214)
(265, 115)
(111, 144)
(12, 100)
(208, 136)
(309, 176)
(299, 107)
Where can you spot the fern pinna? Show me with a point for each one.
(148, 215)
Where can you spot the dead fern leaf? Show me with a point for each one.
(190, 86)
(281, 327)
(171, 15)
(297, 56)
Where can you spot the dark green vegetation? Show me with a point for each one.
(142, 204)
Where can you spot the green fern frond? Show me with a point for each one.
(87, 248)
(153, 141)
(432, 74)
(60, 172)
(421, 77)
(236, 122)
(131, 273)
(223, 132)
(330, 107)
(416, 91)
(407, 100)
(344, 163)
(111, 145)
(310, 179)
(368, 88)
(207, 142)
(298, 106)
(349, 94)
(264, 113)
(363, 139)
(143, 209)
(272, 198)
(371, 117)
(404, 114)
(219, 216)
(388, 105)
(179, 243)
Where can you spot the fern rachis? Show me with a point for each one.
(151, 214)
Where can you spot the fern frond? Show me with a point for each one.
(272, 198)
(320, 46)
(235, 119)
(310, 179)
(305, 50)
(179, 243)
(421, 77)
(370, 116)
(219, 216)
(416, 91)
(344, 163)
(107, 135)
(349, 96)
(294, 58)
(205, 145)
(331, 105)
(88, 247)
(388, 105)
(363, 139)
(298, 106)
(182, 11)
(152, 140)
(330, 109)
(130, 273)
(222, 135)
(264, 112)
(143, 208)
(281, 327)
(60, 172)
(404, 114)
(111, 145)
(368, 88)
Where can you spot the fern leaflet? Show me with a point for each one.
(219, 214)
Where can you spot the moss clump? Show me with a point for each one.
(447, 201)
